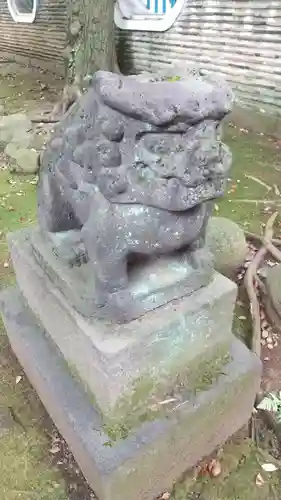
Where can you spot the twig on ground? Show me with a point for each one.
(45, 119)
(258, 181)
(264, 202)
(257, 238)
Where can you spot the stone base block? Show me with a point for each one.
(125, 365)
(152, 456)
(153, 282)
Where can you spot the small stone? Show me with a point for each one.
(264, 334)
(75, 28)
(14, 128)
(75, 8)
(226, 241)
(270, 346)
(27, 161)
(66, 53)
(269, 340)
(263, 342)
(166, 496)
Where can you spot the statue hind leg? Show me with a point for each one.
(57, 219)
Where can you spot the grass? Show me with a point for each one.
(254, 157)
(26, 469)
(240, 465)
(17, 209)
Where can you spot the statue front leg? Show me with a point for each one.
(69, 247)
(107, 253)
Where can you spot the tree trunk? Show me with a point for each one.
(91, 46)
(91, 43)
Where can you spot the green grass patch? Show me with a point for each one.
(255, 162)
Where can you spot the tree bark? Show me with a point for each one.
(90, 47)
(91, 41)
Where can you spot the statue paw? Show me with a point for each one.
(69, 247)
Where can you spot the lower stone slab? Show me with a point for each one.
(110, 359)
(155, 454)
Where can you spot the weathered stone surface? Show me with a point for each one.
(16, 138)
(134, 168)
(155, 454)
(152, 283)
(273, 284)
(110, 359)
(14, 128)
(226, 241)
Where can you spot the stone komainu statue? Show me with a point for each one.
(133, 169)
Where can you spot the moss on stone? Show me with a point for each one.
(208, 373)
(143, 404)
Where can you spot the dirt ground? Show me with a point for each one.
(35, 463)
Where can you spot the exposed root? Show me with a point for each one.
(256, 238)
(250, 279)
(70, 95)
(276, 254)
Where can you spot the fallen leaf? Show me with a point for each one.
(166, 496)
(259, 480)
(167, 401)
(269, 467)
(55, 449)
(214, 468)
(18, 379)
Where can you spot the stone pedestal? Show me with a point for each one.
(138, 403)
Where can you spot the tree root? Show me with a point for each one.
(249, 280)
(256, 238)
(70, 95)
(268, 246)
